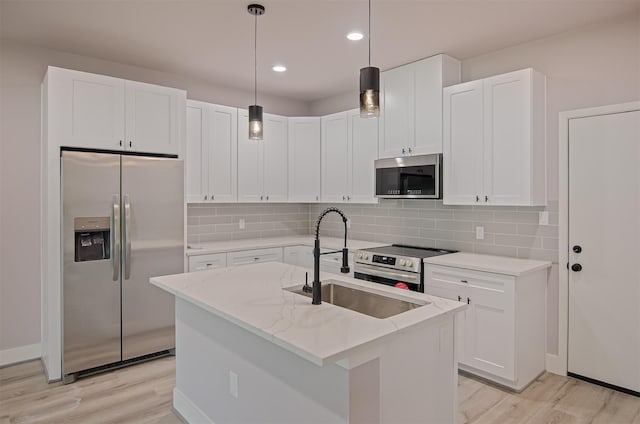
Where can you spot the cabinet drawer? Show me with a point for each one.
(247, 257)
(211, 261)
(445, 276)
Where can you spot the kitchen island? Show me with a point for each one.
(248, 351)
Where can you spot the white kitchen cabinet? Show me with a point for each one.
(411, 106)
(262, 164)
(209, 261)
(101, 112)
(212, 151)
(502, 333)
(495, 141)
(246, 257)
(348, 149)
(304, 159)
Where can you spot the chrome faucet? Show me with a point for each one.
(316, 289)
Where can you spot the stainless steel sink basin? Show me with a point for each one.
(367, 303)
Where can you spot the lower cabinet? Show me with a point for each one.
(210, 261)
(501, 335)
(246, 257)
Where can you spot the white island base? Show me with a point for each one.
(230, 371)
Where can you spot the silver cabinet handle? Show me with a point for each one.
(115, 233)
(127, 236)
(205, 197)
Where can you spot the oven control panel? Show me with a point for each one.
(389, 261)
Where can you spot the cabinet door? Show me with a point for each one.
(85, 110)
(223, 154)
(154, 118)
(204, 262)
(304, 159)
(249, 162)
(363, 142)
(196, 169)
(247, 257)
(335, 157)
(462, 153)
(507, 138)
(428, 106)
(397, 111)
(275, 158)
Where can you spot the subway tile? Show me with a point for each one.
(216, 219)
(495, 208)
(554, 219)
(437, 214)
(439, 205)
(406, 213)
(473, 215)
(490, 249)
(516, 217)
(208, 238)
(436, 234)
(418, 223)
(193, 239)
(418, 204)
(471, 237)
(204, 229)
(454, 245)
(550, 243)
(539, 254)
(518, 241)
(453, 225)
(538, 230)
(193, 220)
(246, 235)
(200, 211)
(497, 227)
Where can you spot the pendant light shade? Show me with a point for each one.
(369, 85)
(255, 111)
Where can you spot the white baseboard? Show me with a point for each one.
(555, 365)
(20, 354)
(187, 411)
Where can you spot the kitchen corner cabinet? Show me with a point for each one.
(348, 149)
(304, 159)
(501, 335)
(495, 141)
(212, 153)
(411, 106)
(102, 112)
(262, 164)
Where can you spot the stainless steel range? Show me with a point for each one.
(396, 265)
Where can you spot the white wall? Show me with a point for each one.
(21, 70)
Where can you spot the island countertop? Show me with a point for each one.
(253, 298)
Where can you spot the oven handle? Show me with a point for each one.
(376, 271)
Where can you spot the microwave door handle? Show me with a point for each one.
(127, 237)
(388, 274)
(115, 242)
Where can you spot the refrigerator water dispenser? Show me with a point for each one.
(92, 238)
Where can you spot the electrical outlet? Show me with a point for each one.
(543, 218)
(479, 233)
(233, 384)
(241, 223)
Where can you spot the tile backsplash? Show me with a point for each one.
(508, 231)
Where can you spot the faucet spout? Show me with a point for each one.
(316, 288)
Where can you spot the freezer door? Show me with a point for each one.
(153, 245)
(91, 270)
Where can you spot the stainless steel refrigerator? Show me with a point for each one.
(122, 224)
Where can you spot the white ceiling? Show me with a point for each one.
(212, 40)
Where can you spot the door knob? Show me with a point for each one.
(577, 248)
(576, 267)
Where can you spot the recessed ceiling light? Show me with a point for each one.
(355, 36)
(279, 68)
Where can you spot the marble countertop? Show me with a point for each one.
(264, 243)
(252, 297)
(489, 263)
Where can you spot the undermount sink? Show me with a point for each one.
(362, 301)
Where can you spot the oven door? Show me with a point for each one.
(389, 277)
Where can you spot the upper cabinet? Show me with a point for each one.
(304, 159)
(495, 141)
(348, 149)
(262, 164)
(211, 153)
(101, 112)
(411, 106)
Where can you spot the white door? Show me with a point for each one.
(397, 111)
(304, 159)
(223, 154)
(153, 118)
(334, 159)
(249, 162)
(462, 144)
(275, 158)
(363, 140)
(196, 163)
(604, 221)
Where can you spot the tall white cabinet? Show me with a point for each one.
(411, 106)
(304, 159)
(495, 141)
(262, 165)
(211, 152)
(348, 149)
(102, 112)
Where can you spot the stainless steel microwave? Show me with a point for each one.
(409, 177)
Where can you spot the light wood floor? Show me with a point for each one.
(142, 394)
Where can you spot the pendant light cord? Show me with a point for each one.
(369, 33)
(255, 60)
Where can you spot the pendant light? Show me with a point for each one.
(369, 85)
(255, 111)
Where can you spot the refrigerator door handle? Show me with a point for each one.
(115, 230)
(127, 237)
